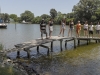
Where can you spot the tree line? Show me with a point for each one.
(84, 10)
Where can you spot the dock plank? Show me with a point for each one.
(39, 41)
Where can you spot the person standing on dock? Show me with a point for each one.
(71, 27)
(78, 28)
(91, 29)
(85, 27)
(43, 28)
(62, 27)
(98, 29)
(50, 27)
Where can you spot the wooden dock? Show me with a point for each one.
(40, 43)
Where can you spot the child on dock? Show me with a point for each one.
(78, 28)
(91, 29)
(85, 29)
(98, 29)
(62, 27)
(71, 27)
(50, 27)
(43, 28)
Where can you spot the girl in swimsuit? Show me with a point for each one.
(78, 28)
(50, 27)
(86, 29)
(62, 27)
(71, 27)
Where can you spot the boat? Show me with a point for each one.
(2, 24)
(23, 22)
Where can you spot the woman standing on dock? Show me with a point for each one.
(71, 27)
(98, 29)
(50, 27)
(85, 27)
(91, 29)
(62, 27)
(78, 28)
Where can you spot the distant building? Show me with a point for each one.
(11, 20)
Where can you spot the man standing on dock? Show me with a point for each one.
(43, 28)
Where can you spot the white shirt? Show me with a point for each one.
(91, 27)
(97, 27)
(85, 26)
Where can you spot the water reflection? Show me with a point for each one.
(85, 60)
(75, 62)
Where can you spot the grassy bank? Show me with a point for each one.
(6, 69)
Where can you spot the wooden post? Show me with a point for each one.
(28, 54)
(52, 46)
(61, 45)
(18, 54)
(37, 49)
(96, 41)
(46, 48)
(74, 43)
(48, 52)
(66, 44)
(87, 42)
(78, 42)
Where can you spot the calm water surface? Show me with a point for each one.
(15, 34)
(85, 60)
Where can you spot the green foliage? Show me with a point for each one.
(53, 13)
(87, 10)
(1, 47)
(5, 17)
(14, 17)
(45, 16)
(28, 16)
(9, 71)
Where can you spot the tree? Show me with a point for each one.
(53, 13)
(45, 16)
(28, 16)
(4, 17)
(85, 9)
(14, 17)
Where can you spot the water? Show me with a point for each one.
(15, 34)
(84, 60)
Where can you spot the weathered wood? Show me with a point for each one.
(96, 41)
(37, 42)
(78, 42)
(37, 49)
(66, 44)
(52, 46)
(74, 43)
(28, 54)
(61, 44)
(18, 54)
(87, 42)
(47, 48)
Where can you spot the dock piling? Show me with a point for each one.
(61, 44)
(74, 42)
(66, 44)
(18, 54)
(28, 54)
(37, 49)
(52, 46)
(78, 42)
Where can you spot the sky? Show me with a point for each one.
(38, 7)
